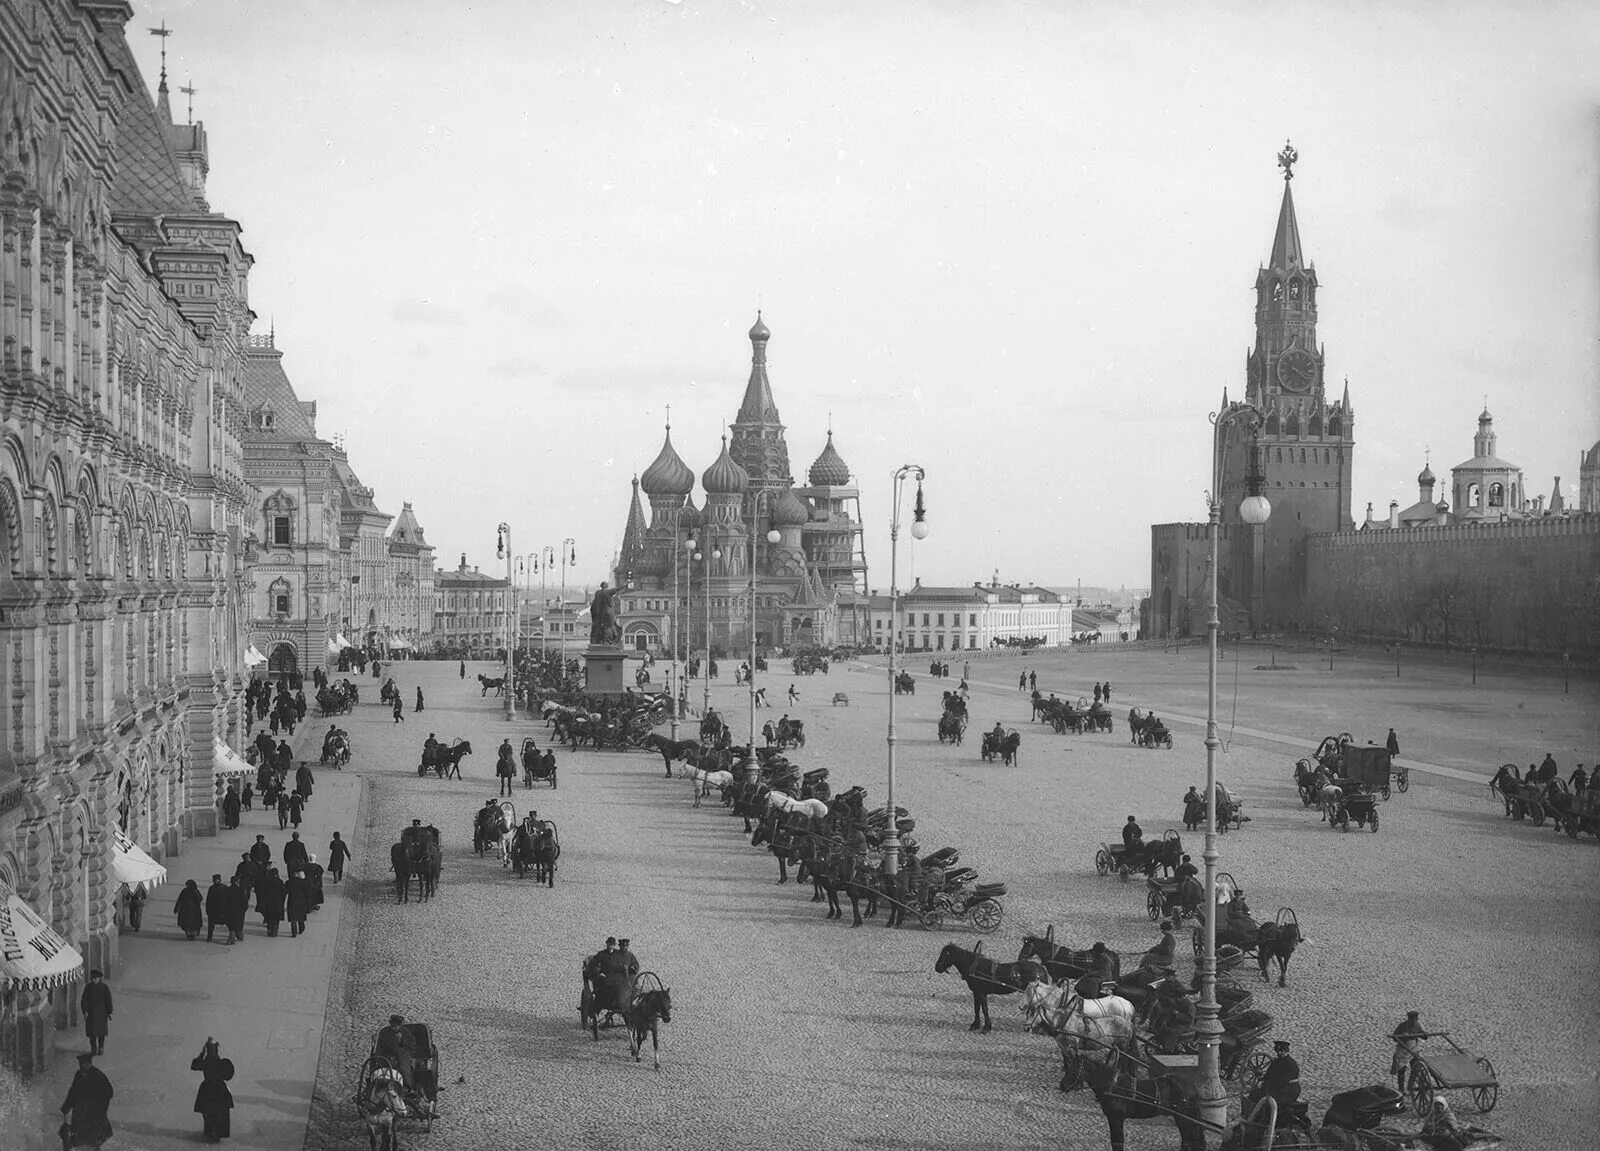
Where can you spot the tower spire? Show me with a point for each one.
(163, 104)
(1286, 253)
(189, 91)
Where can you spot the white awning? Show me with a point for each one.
(252, 657)
(131, 864)
(399, 643)
(344, 642)
(226, 761)
(333, 648)
(32, 956)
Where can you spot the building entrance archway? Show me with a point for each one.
(282, 661)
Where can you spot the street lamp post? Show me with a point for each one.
(772, 538)
(689, 556)
(1566, 673)
(919, 530)
(705, 577)
(567, 545)
(1253, 510)
(1474, 664)
(547, 557)
(503, 549)
(1397, 661)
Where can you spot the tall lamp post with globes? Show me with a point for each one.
(567, 546)
(772, 538)
(502, 550)
(689, 556)
(919, 530)
(1253, 510)
(705, 578)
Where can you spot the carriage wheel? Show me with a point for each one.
(1402, 780)
(1536, 812)
(1385, 791)
(1102, 862)
(1344, 821)
(1167, 743)
(1421, 1082)
(1152, 904)
(986, 917)
(1484, 1098)
(1374, 825)
(1250, 1070)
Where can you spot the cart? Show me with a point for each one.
(1455, 1069)
(1372, 768)
(1359, 805)
(1176, 898)
(978, 906)
(1116, 857)
(422, 1097)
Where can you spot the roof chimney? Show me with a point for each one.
(1394, 513)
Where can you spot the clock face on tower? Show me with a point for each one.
(1297, 370)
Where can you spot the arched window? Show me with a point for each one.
(1497, 495)
(1302, 457)
(279, 510)
(1272, 423)
(1474, 496)
(1316, 423)
(1277, 292)
(1294, 289)
(1280, 455)
(278, 593)
(1291, 426)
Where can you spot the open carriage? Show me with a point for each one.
(1359, 805)
(1449, 1067)
(384, 1098)
(533, 765)
(957, 897)
(1164, 852)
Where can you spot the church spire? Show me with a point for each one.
(758, 406)
(758, 445)
(1286, 254)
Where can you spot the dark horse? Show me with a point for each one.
(415, 857)
(834, 873)
(985, 977)
(648, 1010)
(671, 749)
(1123, 1094)
(1278, 941)
(780, 840)
(545, 853)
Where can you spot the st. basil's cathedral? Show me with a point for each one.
(810, 585)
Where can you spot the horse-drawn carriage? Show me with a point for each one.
(790, 733)
(1175, 899)
(535, 846)
(1146, 730)
(416, 855)
(536, 765)
(956, 896)
(398, 1080)
(491, 829)
(1230, 809)
(1165, 852)
(642, 1000)
(442, 760)
(1575, 811)
(1344, 762)
(905, 684)
(809, 663)
(1359, 805)
(336, 749)
(1003, 745)
(1237, 929)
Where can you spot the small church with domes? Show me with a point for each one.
(685, 572)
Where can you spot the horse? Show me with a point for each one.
(1124, 1094)
(648, 1010)
(400, 864)
(447, 760)
(1330, 797)
(545, 853)
(499, 685)
(383, 1104)
(491, 827)
(1506, 784)
(672, 749)
(984, 977)
(1055, 1009)
(1278, 941)
(704, 781)
(835, 872)
(780, 841)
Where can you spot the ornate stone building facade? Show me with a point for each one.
(123, 502)
(810, 585)
(470, 613)
(409, 599)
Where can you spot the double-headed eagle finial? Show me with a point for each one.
(1287, 159)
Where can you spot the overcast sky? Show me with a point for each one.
(1012, 242)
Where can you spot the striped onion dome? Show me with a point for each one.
(725, 477)
(669, 475)
(829, 470)
(790, 511)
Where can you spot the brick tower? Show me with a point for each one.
(1307, 442)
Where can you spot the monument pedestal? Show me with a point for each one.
(604, 663)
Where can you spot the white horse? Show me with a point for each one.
(382, 1105)
(508, 824)
(704, 781)
(1057, 1009)
(1331, 796)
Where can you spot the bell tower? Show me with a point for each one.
(1306, 441)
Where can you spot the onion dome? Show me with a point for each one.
(724, 477)
(829, 469)
(669, 475)
(790, 511)
(1425, 477)
(759, 330)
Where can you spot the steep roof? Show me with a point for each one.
(1286, 240)
(406, 528)
(267, 387)
(758, 406)
(148, 181)
(632, 556)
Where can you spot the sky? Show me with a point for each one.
(1012, 242)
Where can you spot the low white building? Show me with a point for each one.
(979, 616)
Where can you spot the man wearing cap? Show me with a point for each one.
(625, 959)
(597, 972)
(396, 1044)
(95, 1004)
(88, 1099)
(1405, 1038)
(1280, 1081)
(216, 908)
(1164, 953)
(1185, 870)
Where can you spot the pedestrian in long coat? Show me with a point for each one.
(216, 908)
(285, 756)
(230, 809)
(461, 672)
(313, 871)
(213, 1100)
(270, 897)
(399, 710)
(294, 853)
(190, 910)
(297, 806)
(238, 904)
(299, 705)
(88, 1099)
(1107, 690)
(304, 781)
(298, 903)
(1393, 744)
(95, 1003)
(419, 699)
(136, 898)
(283, 810)
(261, 852)
(338, 853)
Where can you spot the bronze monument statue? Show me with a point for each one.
(603, 627)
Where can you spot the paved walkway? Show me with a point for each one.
(263, 1000)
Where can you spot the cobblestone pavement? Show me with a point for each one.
(792, 1031)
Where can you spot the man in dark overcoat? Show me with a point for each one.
(230, 808)
(294, 853)
(216, 908)
(95, 1003)
(261, 851)
(238, 904)
(88, 1100)
(304, 781)
(298, 903)
(270, 896)
(213, 1100)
